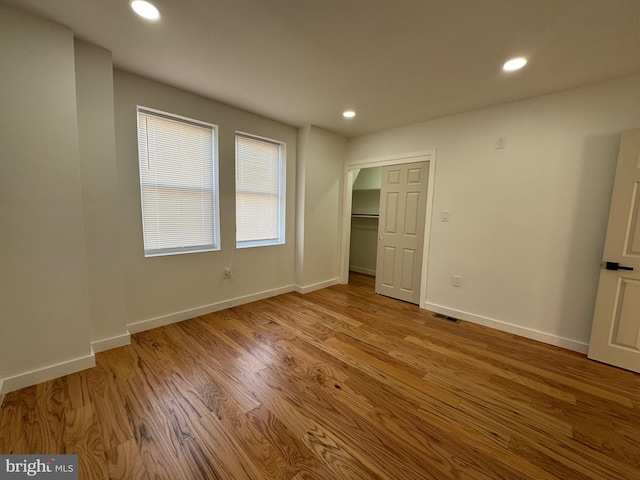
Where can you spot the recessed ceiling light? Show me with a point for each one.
(145, 9)
(514, 64)
(348, 114)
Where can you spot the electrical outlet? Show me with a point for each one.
(456, 280)
(501, 142)
(227, 272)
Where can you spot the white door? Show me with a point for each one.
(403, 199)
(615, 335)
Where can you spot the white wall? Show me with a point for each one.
(528, 222)
(160, 290)
(94, 94)
(73, 272)
(321, 168)
(364, 245)
(365, 201)
(368, 179)
(526, 230)
(43, 292)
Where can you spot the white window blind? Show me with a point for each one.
(177, 183)
(259, 191)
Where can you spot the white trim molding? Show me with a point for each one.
(254, 297)
(145, 325)
(34, 377)
(398, 159)
(317, 286)
(111, 342)
(530, 333)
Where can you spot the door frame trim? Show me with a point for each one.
(423, 156)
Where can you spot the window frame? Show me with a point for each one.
(215, 184)
(282, 194)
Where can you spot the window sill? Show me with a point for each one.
(259, 243)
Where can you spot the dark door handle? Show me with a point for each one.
(616, 266)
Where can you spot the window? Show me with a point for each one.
(260, 198)
(178, 184)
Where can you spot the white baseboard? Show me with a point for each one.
(111, 342)
(48, 373)
(317, 286)
(261, 295)
(544, 337)
(54, 371)
(366, 271)
(144, 325)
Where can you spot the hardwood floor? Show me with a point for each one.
(335, 384)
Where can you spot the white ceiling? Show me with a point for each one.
(394, 61)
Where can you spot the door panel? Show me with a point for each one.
(411, 213)
(625, 326)
(616, 321)
(388, 265)
(391, 218)
(413, 176)
(393, 176)
(403, 197)
(408, 267)
(633, 234)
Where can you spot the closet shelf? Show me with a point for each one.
(365, 215)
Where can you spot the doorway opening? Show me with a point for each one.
(365, 214)
(361, 217)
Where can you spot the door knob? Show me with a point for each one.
(616, 266)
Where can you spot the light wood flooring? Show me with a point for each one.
(335, 384)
